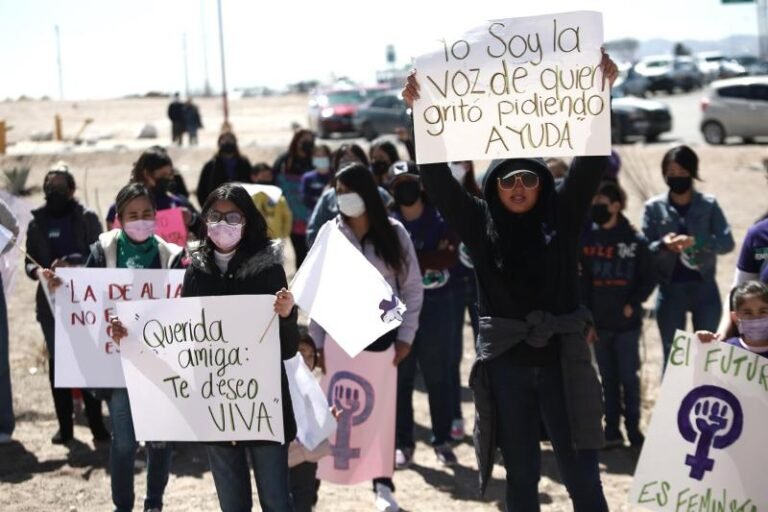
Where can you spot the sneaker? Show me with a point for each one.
(385, 500)
(403, 458)
(5, 438)
(445, 455)
(457, 430)
(155, 509)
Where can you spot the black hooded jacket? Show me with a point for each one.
(527, 262)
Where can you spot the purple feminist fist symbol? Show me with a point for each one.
(712, 415)
(354, 397)
(392, 310)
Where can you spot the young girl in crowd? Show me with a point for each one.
(385, 243)
(686, 231)
(436, 249)
(617, 278)
(314, 183)
(749, 304)
(289, 169)
(382, 155)
(154, 170)
(533, 361)
(59, 235)
(237, 258)
(135, 245)
(277, 213)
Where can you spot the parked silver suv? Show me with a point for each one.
(737, 107)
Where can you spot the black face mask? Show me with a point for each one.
(228, 149)
(165, 185)
(308, 147)
(600, 214)
(378, 167)
(57, 202)
(680, 185)
(407, 193)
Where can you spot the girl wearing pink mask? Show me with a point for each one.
(238, 258)
(749, 313)
(135, 245)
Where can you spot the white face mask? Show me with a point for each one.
(351, 204)
(458, 170)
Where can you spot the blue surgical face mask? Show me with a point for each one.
(321, 164)
(755, 330)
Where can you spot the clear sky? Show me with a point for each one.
(112, 48)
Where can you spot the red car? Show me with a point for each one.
(331, 111)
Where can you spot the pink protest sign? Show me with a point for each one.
(170, 226)
(364, 389)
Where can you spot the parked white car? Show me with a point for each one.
(736, 107)
(715, 65)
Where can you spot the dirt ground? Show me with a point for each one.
(36, 475)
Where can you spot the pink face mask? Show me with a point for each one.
(139, 230)
(225, 236)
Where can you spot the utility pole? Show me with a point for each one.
(186, 66)
(58, 62)
(762, 28)
(207, 86)
(225, 127)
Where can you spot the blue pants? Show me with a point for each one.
(618, 356)
(467, 300)
(674, 300)
(524, 396)
(123, 457)
(229, 466)
(7, 420)
(431, 352)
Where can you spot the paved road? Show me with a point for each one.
(686, 116)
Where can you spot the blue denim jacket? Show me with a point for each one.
(704, 221)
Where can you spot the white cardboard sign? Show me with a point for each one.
(520, 87)
(86, 356)
(706, 445)
(198, 369)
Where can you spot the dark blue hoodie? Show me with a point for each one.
(616, 270)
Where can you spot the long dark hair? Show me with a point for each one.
(255, 236)
(152, 159)
(357, 178)
(386, 147)
(293, 150)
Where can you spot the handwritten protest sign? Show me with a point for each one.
(705, 448)
(169, 225)
(364, 389)
(196, 370)
(523, 87)
(86, 356)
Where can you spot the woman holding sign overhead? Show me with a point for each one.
(135, 245)
(533, 361)
(237, 258)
